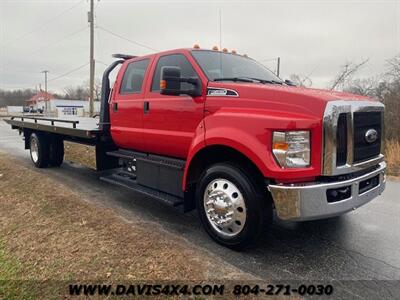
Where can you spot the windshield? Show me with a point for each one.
(220, 66)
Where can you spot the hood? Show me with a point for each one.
(285, 98)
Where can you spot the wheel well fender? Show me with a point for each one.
(211, 154)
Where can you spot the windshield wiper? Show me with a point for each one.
(234, 79)
(266, 81)
(248, 79)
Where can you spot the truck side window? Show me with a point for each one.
(174, 60)
(133, 78)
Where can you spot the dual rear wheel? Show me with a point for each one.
(46, 150)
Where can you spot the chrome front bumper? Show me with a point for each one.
(308, 201)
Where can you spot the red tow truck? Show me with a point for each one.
(220, 133)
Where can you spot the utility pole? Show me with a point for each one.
(92, 63)
(278, 66)
(45, 90)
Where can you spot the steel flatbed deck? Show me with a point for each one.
(73, 127)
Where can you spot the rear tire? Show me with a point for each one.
(39, 150)
(56, 152)
(232, 207)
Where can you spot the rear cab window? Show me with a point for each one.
(133, 78)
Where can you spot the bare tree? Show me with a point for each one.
(392, 98)
(345, 73)
(81, 92)
(301, 80)
(385, 88)
(97, 88)
(76, 93)
(365, 86)
(15, 97)
(394, 67)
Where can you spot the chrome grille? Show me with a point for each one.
(364, 121)
(341, 138)
(344, 125)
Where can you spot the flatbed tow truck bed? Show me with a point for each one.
(87, 131)
(70, 127)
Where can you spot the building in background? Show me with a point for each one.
(60, 107)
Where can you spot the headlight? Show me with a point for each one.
(291, 148)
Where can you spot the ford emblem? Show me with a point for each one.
(371, 135)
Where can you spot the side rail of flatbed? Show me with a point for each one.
(52, 120)
(70, 128)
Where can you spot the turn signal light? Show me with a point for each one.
(280, 146)
(163, 84)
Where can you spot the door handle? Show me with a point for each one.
(146, 107)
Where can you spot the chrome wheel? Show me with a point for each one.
(34, 150)
(225, 207)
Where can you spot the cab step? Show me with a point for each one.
(123, 180)
(126, 154)
(151, 158)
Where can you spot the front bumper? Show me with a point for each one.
(309, 201)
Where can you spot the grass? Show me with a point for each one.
(50, 236)
(82, 154)
(392, 157)
(10, 270)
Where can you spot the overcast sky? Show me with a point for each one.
(312, 37)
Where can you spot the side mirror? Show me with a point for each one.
(170, 83)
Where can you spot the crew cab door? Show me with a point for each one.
(170, 122)
(126, 111)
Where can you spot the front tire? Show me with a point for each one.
(39, 150)
(232, 207)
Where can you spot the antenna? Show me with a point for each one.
(220, 29)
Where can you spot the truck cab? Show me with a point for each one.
(248, 140)
(220, 133)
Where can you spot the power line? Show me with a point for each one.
(126, 39)
(45, 23)
(102, 63)
(268, 59)
(69, 72)
(60, 40)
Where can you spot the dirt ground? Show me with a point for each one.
(48, 233)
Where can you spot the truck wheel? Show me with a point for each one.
(39, 149)
(232, 207)
(56, 152)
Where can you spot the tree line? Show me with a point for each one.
(20, 96)
(384, 87)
